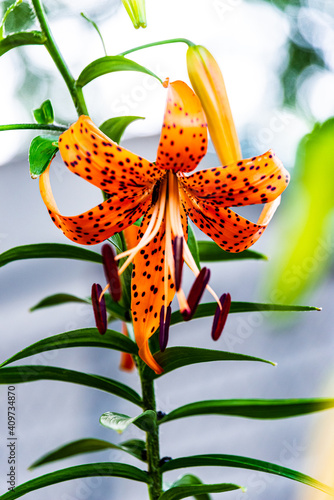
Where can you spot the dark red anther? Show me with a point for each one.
(221, 316)
(164, 327)
(196, 292)
(111, 272)
(99, 308)
(178, 260)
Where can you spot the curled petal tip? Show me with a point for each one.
(111, 272)
(221, 314)
(99, 308)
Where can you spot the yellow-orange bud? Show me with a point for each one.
(208, 83)
(137, 12)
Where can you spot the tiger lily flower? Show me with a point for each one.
(165, 195)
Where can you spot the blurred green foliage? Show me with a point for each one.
(306, 238)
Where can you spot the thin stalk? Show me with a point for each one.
(50, 44)
(152, 438)
(162, 42)
(33, 126)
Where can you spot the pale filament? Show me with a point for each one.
(147, 236)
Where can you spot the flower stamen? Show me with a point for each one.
(99, 308)
(196, 292)
(221, 316)
(165, 315)
(111, 273)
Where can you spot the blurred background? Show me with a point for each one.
(277, 58)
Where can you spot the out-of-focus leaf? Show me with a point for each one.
(21, 374)
(49, 251)
(115, 127)
(44, 114)
(41, 152)
(208, 309)
(89, 445)
(218, 460)
(209, 251)
(109, 469)
(193, 246)
(87, 337)
(305, 246)
(17, 17)
(251, 408)
(177, 357)
(19, 39)
(118, 422)
(110, 64)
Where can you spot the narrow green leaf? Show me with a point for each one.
(198, 491)
(110, 64)
(193, 246)
(21, 374)
(86, 337)
(44, 114)
(58, 299)
(96, 29)
(251, 408)
(19, 39)
(41, 152)
(116, 240)
(214, 460)
(115, 127)
(64, 298)
(49, 251)
(176, 357)
(208, 309)
(209, 251)
(109, 469)
(118, 422)
(89, 445)
(190, 480)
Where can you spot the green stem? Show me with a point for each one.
(152, 438)
(162, 42)
(32, 126)
(50, 44)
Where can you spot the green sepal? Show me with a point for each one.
(100, 469)
(177, 357)
(134, 447)
(49, 251)
(32, 373)
(146, 421)
(110, 64)
(42, 150)
(19, 39)
(251, 408)
(44, 114)
(115, 127)
(209, 251)
(86, 337)
(219, 460)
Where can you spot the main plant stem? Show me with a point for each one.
(50, 44)
(152, 438)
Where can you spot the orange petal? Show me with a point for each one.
(131, 236)
(184, 137)
(126, 364)
(91, 155)
(100, 222)
(207, 80)
(257, 180)
(148, 290)
(229, 230)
